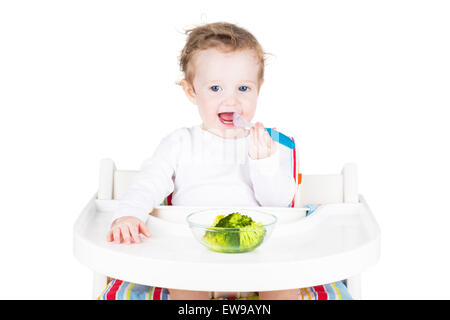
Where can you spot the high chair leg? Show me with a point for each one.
(99, 284)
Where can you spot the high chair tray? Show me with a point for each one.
(336, 242)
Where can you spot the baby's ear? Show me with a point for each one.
(188, 90)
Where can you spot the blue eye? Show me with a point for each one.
(215, 88)
(243, 88)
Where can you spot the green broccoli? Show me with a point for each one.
(242, 233)
(233, 220)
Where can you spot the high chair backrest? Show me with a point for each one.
(314, 189)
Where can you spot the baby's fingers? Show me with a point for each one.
(115, 233)
(109, 236)
(259, 125)
(125, 234)
(144, 229)
(135, 234)
(262, 136)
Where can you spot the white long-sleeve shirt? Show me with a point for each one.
(203, 169)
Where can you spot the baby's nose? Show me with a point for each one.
(231, 100)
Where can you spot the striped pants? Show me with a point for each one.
(122, 290)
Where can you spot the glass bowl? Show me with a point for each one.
(231, 240)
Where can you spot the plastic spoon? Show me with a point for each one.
(238, 121)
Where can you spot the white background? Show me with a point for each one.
(353, 81)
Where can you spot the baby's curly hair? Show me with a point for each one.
(224, 36)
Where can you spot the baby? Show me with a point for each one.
(215, 163)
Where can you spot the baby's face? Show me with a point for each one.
(225, 83)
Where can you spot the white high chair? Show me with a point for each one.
(337, 242)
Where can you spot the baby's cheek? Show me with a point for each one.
(207, 112)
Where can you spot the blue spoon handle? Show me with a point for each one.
(281, 138)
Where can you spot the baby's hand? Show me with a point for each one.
(127, 229)
(261, 144)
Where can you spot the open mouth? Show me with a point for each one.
(226, 118)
